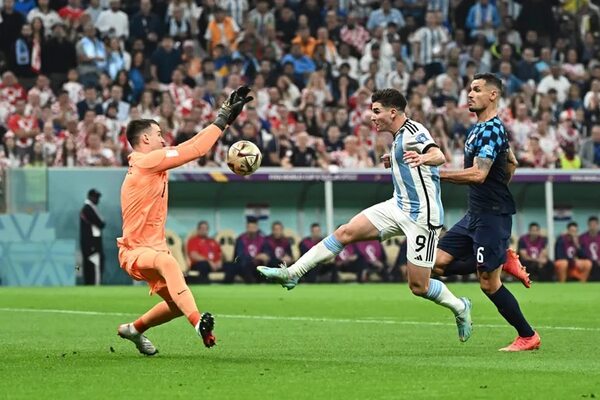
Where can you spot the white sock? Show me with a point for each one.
(133, 330)
(440, 294)
(322, 251)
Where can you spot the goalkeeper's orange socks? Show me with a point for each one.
(159, 314)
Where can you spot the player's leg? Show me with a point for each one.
(358, 228)
(161, 313)
(454, 255)
(492, 233)
(168, 269)
(468, 265)
(421, 256)
(561, 268)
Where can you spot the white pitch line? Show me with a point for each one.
(300, 319)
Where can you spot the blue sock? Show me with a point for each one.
(434, 290)
(439, 294)
(333, 244)
(508, 306)
(325, 250)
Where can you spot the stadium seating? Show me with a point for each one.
(176, 247)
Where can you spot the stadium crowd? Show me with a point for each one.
(74, 72)
(576, 258)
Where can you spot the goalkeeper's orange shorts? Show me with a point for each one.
(139, 264)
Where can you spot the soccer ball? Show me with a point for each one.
(244, 158)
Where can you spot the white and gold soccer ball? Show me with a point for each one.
(244, 158)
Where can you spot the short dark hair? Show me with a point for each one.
(276, 223)
(315, 225)
(389, 98)
(572, 223)
(491, 79)
(202, 223)
(531, 225)
(136, 127)
(592, 218)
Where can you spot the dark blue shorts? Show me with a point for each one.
(485, 236)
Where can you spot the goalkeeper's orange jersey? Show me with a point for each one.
(145, 190)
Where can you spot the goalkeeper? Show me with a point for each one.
(143, 251)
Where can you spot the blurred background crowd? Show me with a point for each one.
(74, 72)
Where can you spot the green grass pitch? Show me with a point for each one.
(315, 342)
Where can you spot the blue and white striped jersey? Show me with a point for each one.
(416, 190)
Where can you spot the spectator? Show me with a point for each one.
(354, 34)
(11, 22)
(48, 16)
(261, 17)
(556, 80)
(43, 90)
(571, 260)
(96, 154)
(222, 29)
(178, 26)
(11, 156)
(113, 22)
(73, 87)
(117, 59)
(91, 55)
(372, 256)
(67, 154)
(90, 102)
(569, 159)
(301, 154)
(24, 127)
(93, 10)
(247, 248)
(526, 70)
(353, 155)
(204, 253)
(116, 98)
(277, 147)
(286, 25)
(303, 66)
(59, 56)
(71, 13)
(146, 25)
(534, 156)
(236, 8)
(590, 149)
(533, 252)
(349, 261)
(276, 249)
(428, 44)
(165, 60)
(590, 242)
(482, 20)
(384, 15)
(26, 56)
(91, 224)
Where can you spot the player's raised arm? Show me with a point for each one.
(161, 159)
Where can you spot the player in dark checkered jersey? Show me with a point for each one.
(486, 228)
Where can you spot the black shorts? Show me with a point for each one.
(486, 236)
